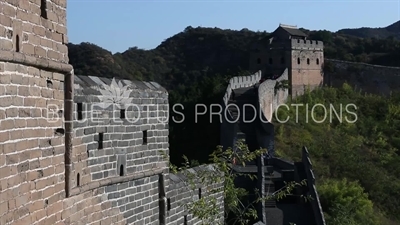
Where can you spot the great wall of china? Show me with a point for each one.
(72, 170)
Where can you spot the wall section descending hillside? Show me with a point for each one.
(270, 97)
(228, 128)
(367, 78)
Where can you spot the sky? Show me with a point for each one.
(117, 25)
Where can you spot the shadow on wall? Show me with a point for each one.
(368, 78)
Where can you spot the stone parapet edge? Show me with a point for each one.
(46, 64)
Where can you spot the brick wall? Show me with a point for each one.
(106, 145)
(34, 176)
(108, 193)
(118, 151)
(33, 63)
(365, 77)
(270, 98)
(304, 60)
(23, 28)
(180, 192)
(315, 204)
(31, 148)
(305, 71)
(228, 129)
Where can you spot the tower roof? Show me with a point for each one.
(292, 30)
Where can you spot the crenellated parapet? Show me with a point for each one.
(307, 44)
(240, 82)
(228, 127)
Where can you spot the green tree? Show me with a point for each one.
(345, 203)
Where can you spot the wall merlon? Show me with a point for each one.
(240, 82)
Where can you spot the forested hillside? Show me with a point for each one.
(362, 148)
(382, 32)
(195, 65)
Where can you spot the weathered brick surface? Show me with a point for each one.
(133, 202)
(180, 192)
(308, 73)
(122, 144)
(31, 153)
(23, 27)
(117, 183)
(304, 60)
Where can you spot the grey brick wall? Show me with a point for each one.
(181, 192)
(316, 204)
(108, 145)
(117, 162)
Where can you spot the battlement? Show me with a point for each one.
(307, 44)
(240, 82)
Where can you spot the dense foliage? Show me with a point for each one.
(363, 147)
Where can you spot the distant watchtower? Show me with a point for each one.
(288, 47)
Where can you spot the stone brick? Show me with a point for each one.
(5, 78)
(8, 10)
(28, 49)
(6, 45)
(39, 51)
(5, 20)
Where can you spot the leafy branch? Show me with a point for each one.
(281, 85)
(218, 179)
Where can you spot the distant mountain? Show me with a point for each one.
(367, 32)
(195, 52)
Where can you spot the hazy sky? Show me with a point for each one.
(117, 25)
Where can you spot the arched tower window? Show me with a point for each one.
(17, 43)
(317, 61)
(270, 60)
(282, 60)
(308, 61)
(259, 61)
(298, 60)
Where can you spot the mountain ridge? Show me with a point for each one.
(224, 51)
(378, 32)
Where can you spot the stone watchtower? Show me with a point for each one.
(288, 47)
(33, 70)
